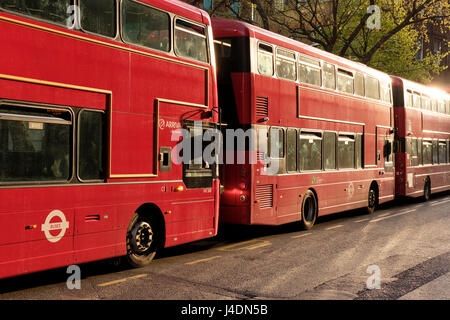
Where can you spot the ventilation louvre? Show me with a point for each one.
(262, 107)
(264, 193)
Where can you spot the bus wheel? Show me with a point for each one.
(309, 210)
(372, 201)
(141, 241)
(427, 190)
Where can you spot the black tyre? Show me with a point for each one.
(427, 190)
(309, 210)
(142, 241)
(372, 200)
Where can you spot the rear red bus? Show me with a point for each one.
(422, 118)
(91, 94)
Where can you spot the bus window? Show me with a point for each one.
(92, 145)
(345, 81)
(291, 146)
(359, 84)
(385, 91)
(310, 151)
(441, 106)
(409, 99)
(329, 150)
(286, 67)
(265, 59)
(309, 71)
(346, 152)
(35, 144)
(372, 88)
(359, 151)
(329, 76)
(190, 41)
(433, 104)
(276, 143)
(435, 152)
(442, 152)
(99, 16)
(54, 11)
(416, 100)
(414, 152)
(426, 102)
(427, 152)
(145, 26)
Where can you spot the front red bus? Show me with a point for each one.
(422, 121)
(91, 94)
(325, 123)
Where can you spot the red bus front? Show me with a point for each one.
(91, 99)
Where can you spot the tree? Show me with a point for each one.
(341, 27)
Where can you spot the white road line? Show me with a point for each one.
(440, 202)
(335, 227)
(394, 215)
(301, 236)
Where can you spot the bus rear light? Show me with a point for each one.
(243, 186)
(178, 189)
(243, 197)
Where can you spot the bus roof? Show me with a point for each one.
(181, 8)
(232, 28)
(431, 91)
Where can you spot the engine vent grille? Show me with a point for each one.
(262, 106)
(264, 193)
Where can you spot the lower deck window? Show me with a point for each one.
(346, 152)
(35, 144)
(310, 151)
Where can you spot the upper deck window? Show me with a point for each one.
(408, 98)
(265, 59)
(345, 81)
(329, 76)
(99, 16)
(372, 88)
(441, 106)
(416, 100)
(309, 71)
(145, 26)
(286, 67)
(426, 102)
(190, 41)
(359, 84)
(385, 91)
(54, 11)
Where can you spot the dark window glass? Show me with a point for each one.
(310, 151)
(190, 41)
(99, 16)
(414, 152)
(435, 152)
(419, 151)
(286, 67)
(388, 155)
(329, 150)
(372, 88)
(329, 76)
(345, 81)
(359, 151)
(427, 152)
(35, 144)
(291, 147)
(145, 26)
(359, 84)
(442, 152)
(265, 59)
(276, 143)
(346, 152)
(92, 145)
(55, 10)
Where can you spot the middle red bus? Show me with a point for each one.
(329, 124)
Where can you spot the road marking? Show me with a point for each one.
(362, 220)
(384, 214)
(335, 227)
(122, 280)
(202, 260)
(255, 243)
(440, 202)
(394, 215)
(301, 235)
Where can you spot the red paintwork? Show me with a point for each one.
(423, 124)
(135, 81)
(336, 191)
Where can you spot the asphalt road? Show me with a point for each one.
(403, 249)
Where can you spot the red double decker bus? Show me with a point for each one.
(422, 118)
(90, 94)
(329, 124)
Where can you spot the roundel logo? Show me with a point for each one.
(56, 221)
(162, 124)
